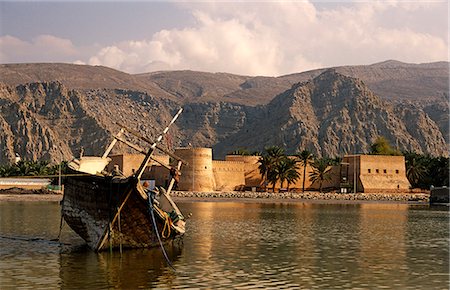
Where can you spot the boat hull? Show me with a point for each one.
(114, 213)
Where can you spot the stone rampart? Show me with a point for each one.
(228, 174)
(197, 175)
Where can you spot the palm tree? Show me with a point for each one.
(268, 162)
(4, 170)
(415, 168)
(292, 173)
(240, 151)
(272, 177)
(275, 152)
(304, 158)
(265, 164)
(285, 170)
(321, 171)
(442, 168)
(26, 168)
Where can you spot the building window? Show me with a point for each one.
(384, 171)
(396, 171)
(377, 171)
(368, 170)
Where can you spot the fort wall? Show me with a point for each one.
(375, 172)
(228, 175)
(252, 175)
(371, 172)
(129, 163)
(197, 175)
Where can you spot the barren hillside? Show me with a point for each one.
(48, 109)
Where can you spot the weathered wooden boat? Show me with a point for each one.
(110, 211)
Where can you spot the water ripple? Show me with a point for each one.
(242, 246)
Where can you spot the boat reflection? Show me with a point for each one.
(133, 269)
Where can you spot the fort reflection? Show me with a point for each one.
(322, 240)
(382, 232)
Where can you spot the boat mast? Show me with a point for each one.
(147, 158)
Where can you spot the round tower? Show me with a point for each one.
(197, 175)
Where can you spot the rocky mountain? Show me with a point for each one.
(335, 114)
(51, 111)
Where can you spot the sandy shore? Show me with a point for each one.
(260, 197)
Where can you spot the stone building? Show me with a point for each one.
(372, 173)
(375, 172)
(197, 174)
(129, 163)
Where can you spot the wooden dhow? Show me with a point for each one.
(111, 211)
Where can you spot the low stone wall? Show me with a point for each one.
(402, 197)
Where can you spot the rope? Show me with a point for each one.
(167, 224)
(150, 209)
(120, 233)
(61, 221)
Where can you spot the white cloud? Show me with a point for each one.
(43, 48)
(266, 38)
(274, 38)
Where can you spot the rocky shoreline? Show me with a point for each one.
(417, 197)
(330, 196)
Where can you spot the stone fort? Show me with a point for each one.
(371, 173)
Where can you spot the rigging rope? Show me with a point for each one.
(167, 224)
(61, 221)
(151, 210)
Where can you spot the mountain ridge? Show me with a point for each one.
(327, 111)
(379, 77)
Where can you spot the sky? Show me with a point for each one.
(269, 38)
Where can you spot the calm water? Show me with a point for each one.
(241, 246)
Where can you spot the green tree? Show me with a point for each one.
(269, 162)
(5, 170)
(32, 168)
(292, 175)
(244, 152)
(265, 166)
(286, 170)
(240, 151)
(440, 171)
(416, 169)
(381, 146)
(304, 157)
(321, 171)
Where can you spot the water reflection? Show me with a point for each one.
(241, 245)
(382, 244)
(130, 270)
